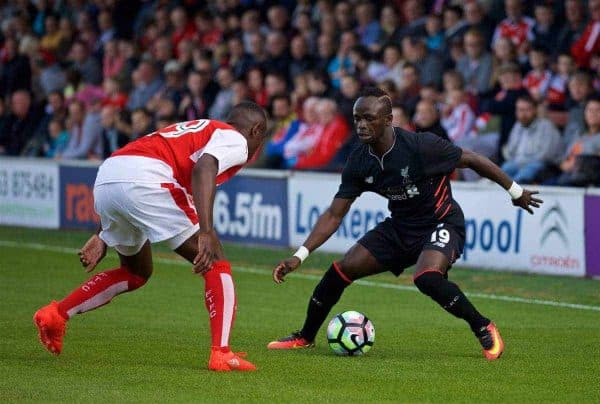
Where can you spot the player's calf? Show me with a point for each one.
(97, 291)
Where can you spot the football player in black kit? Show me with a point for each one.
(426, 227)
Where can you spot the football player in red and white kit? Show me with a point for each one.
(161, 187)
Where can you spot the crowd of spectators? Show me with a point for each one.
(517, 81)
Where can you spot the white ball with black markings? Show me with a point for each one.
(350, 333)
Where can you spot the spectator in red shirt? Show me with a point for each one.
(589, 42)
(515, 26)
(334, 134)
(183, 28)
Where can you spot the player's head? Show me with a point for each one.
(372, 114)
(251, 121)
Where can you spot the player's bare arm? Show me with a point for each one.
(204, 177)
(486, 168)
(326, 225)
(92, 252)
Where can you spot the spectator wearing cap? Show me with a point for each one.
(429, 65)
(589, 42)
(15, 70)
(476, 65)
(534, 143)
(573, 27)
(20, 125)
(502, 103)
(146, 84)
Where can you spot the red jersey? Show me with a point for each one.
(178, 147)
(517, 31)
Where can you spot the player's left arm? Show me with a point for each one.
(486, 168)
(204, 177)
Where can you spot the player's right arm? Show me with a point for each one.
(326, 225)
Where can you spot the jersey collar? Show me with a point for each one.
(380, 160)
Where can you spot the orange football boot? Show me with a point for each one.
(51, 327)
(491, 342)
(228, 361)
(293, 341)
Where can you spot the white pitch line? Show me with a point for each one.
(488, 296)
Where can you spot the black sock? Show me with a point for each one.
(325, 296)
(448, 295)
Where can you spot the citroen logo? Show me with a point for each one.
(554, 222)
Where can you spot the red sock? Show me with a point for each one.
(219, 295)
(98, 291)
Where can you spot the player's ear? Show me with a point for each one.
(388, 119)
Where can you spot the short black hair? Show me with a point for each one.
(592, 98)
(246, 114)
(528, 99)
(383, 97)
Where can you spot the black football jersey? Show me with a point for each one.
(413, 176)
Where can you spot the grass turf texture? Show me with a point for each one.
(152, 344)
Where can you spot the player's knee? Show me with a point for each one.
(331, 286)
(142, 274)
(428, 281)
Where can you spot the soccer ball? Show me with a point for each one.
(350, 333)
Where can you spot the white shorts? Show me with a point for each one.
(131, 213)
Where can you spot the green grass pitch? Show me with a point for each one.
(152, 345)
